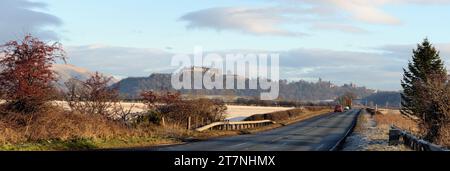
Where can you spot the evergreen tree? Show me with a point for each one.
(424, 72)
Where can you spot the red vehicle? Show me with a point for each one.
(339, 108)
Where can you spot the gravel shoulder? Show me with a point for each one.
(370, 136)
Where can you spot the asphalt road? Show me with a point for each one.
(316, 134)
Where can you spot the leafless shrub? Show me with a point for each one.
(93, 96)
(208, 110)
(434, 95)
(123, 113)
(278, 116)
(153, 99)
(175, 110)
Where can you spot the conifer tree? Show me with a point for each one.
(424, 76)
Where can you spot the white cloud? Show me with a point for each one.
(119, 61)
(338, 27)
(17, 18)
(259, 21)
(335, 15)
(375, 70)
(269, 20)
(369, 11)
(404, 52)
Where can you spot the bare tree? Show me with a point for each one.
(92, 96)
(152, 99)
(123, 113)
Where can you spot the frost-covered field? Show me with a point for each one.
(135, 107)
(237, 113)
(234, 112)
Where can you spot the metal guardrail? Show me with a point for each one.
(235, 125)
(397, 136)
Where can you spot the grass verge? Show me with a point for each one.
(87, 144)
(149, 136)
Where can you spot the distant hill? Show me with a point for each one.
(293, 91)
(132, 86)
(386, 98)
(383, 99)
(320, 90)
(65, 72)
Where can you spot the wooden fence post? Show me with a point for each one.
(189, 123)
(196, 122)
(163, 121)
(394, 137)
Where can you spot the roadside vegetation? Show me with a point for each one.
(372, 131)
(29, 119)
(425, 106)
(387, 117)
(294, 114)
(426, 94)
(94, 117)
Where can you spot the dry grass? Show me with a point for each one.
(445, 137)
(306, 114)
(57, 129)
(287, 115)
(54, 124)
(372, 136)
(361, 125)
(386, 118)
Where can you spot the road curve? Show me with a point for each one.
(316, 134)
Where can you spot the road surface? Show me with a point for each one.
(316, 134)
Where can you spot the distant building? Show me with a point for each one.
(203, 70)
(332, 85)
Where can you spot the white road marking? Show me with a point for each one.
(318, 148)
(237, 145)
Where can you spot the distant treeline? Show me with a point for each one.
(384, 99)
(257, 102)
(130, 88)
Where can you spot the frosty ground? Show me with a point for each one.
(372, 133)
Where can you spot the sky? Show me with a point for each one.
(361, 41)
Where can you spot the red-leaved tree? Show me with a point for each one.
(26, 77)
